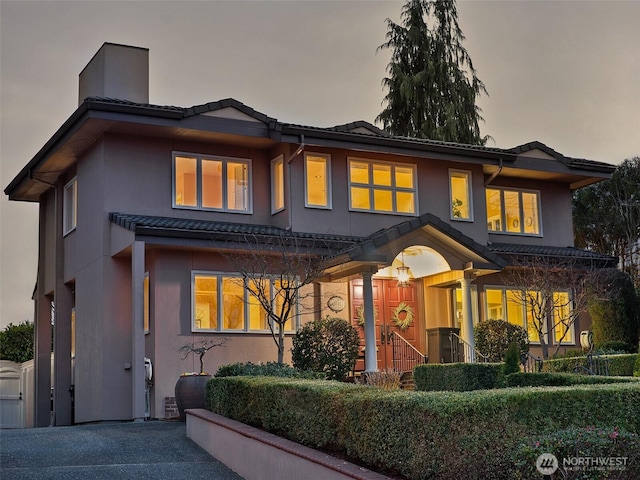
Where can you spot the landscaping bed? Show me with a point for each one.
(420, 435)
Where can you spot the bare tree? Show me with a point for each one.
(554, 293)
(275, 271)
(201, 348)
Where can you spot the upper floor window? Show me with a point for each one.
(513, 211)
(70, 206)
(460, 194)
(211, 183)
(317, 180)
(382, 187)
(222, 303)
(277, 184)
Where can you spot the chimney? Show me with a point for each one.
(116, 71)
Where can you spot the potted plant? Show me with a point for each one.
(191, 386)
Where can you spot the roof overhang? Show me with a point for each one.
(94, 118)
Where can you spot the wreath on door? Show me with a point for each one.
(360, 315)
(403, 316)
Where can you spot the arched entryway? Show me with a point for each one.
(398, 304)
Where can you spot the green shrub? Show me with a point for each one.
(493, 338)
(636, 369)
(328, 345)
(16, 342)
(269, 369)
(619, 365)
(511, 359)
(614, 346)
(459, 377)
(617, 317)
(576, 443)
(421, 435)
(528, 379)
(570, 354)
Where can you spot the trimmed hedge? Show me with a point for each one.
(589, 442)
(528, 379)
(422, 435)
(457, 377)
(269, 369)
(619, 365)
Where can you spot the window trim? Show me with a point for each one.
(146, 302)
(275, 162)
(393, 188)
(469, 177)
(519, 191)
(503, 289)
(246, 329)
(571, 338)
(327, 158)
(66, 226)
(225, 160)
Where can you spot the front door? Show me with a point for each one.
(396, 310)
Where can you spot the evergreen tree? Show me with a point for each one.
(432, 85)
(16, 342)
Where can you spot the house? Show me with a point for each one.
(138, 203)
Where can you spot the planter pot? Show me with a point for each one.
(190, 392)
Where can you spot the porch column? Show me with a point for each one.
(467, 320)
(42, 326)
(137, 331)
(63, 299)
(370, 354)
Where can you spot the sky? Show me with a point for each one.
(565, 73)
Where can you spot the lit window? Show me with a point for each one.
(460, 194)
(210, 183)
(222, 303)
(562, 318)
(277, 184)
(70, 205)
(145, 302)
(382, 187)
(513, 211)
(511, 306)
(317, 184)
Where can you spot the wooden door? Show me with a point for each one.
(396, 309)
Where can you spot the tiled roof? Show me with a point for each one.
(386, 235)
(225, 231)
(566, 253)
(572, 162)
(376, 134)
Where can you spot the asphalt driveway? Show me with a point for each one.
(107, 451)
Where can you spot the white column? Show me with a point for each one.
(467, 320)
(370, 354)
(137, 331)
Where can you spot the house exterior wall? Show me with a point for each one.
(123, 173)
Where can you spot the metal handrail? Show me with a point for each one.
(469, 354)
(405, 355)
(530, 363)
(596, 365)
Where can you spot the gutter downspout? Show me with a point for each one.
(289, 205)
(495, 174)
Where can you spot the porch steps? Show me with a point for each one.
(407, 382)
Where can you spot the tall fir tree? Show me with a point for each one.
(432, 84)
